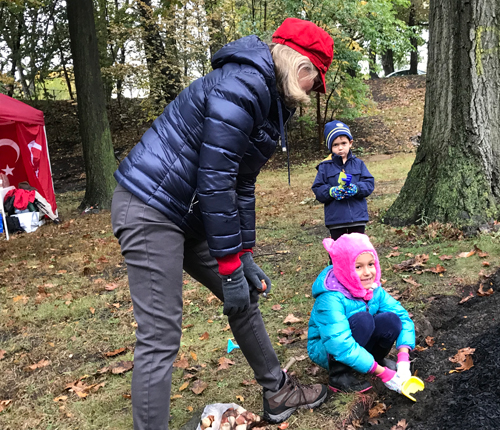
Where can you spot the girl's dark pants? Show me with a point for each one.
(376, 333)
(156, 251)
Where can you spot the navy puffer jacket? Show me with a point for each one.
(199, 161)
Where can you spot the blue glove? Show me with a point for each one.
(351, 190)
(347, 180)
(236, 292)
(338, 193)
(254, 274)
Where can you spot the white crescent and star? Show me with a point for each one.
(8, 142)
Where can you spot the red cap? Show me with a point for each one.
(308, 39)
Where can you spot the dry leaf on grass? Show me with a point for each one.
(247, 383)
(224, 363)
(81, 389)
(193, 356)
(393, 254)
(412, 281)
(228, 327)
(117, 368)
(2, 354)
(181, 363)
(39, 365)
(445, 257)
(115, 352)
(184, 386)
(61, 399)
(466, 254)
(276, 307)
(283, 426)
(291, 319)
(204, 336)
(111, 287)
(4, 404)
(437, 269)
(199, 386)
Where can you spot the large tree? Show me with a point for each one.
(94, 126)
(456, 174)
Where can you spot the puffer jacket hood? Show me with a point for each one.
(198, 162)
(251, 51)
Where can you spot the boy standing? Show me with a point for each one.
(342, 183)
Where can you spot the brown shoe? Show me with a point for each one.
(279, 405)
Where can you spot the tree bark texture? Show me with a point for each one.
(456, 174)
(98, 152)
(388, 61)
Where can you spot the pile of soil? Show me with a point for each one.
(464, 400)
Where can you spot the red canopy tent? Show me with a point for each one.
(24, 154)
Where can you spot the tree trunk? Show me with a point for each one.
(456, 174)
(372, 62)
(413, 40)
(388, 61)
(98, 152)
(164, 72)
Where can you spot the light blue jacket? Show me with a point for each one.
(329, 331)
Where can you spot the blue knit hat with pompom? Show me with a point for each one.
(334, 129)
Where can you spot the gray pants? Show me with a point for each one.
(156, 251)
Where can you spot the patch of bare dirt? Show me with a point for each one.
(461, 400)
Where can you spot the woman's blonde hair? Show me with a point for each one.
(288, 63)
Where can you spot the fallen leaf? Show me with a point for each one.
(190, 409)
(393, 254)
(464, 358)
(228, 327)
(111, 287)
(291, 319)
(430, 378)
(312, 370)
(211, 298)
(414, 263)
(92, 311)
(204, 336)
(377, 410)
(61, 399)
(283, 426)
(24, 299)
(486, 264)
(481, 292)
(276, 307)
(412, 281)
(224, 363)
(466, 254)
(419, 348)
(121, 367)
(247, 383)
(401, 425)
(194, 356)
(2, 354)
(199, 386)
(429, 340)
(437, 269)
(176, 396)
(465, 299)
(39, 365)
(181, 363)
(184, 386)
(240, 399)
(115, 352)
(81, 389)
(4, 404)
(445, 257)
(188, 326)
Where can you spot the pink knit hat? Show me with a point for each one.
(344, 252)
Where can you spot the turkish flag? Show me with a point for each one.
(11, 162)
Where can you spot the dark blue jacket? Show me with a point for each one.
(199, 161)
(349, 210)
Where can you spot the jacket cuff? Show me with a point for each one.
(374, 367)
(228, 264)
